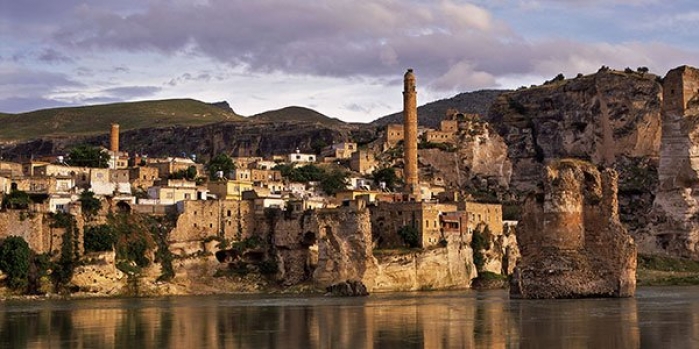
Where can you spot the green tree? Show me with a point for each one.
(14, 261)
(89, 203)
(410, 235)
(99, 238)
(63, 268)
(88, 156)
(16, 199)
(190, 173)
(333, 181)
(220, 162)
(386, 175)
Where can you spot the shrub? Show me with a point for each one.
(17, 200)
(89, 203)
(410, 235)
(99, 239)
(14, 261)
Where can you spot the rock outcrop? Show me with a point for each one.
(571, 240)
(479, 162)
(330, 246)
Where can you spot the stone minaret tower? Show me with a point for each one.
(410, 135)
(114, 139)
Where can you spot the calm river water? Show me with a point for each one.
(658, 317)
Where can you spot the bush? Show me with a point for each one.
(17, 199)
(99, 239)
(410, 235)
(89, 203)
(14, 261)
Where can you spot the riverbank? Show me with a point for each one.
(666, 271)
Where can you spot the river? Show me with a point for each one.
(658, 317)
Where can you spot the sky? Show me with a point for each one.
(343, 58)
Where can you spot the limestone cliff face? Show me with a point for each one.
(675, 225)
(571, 240)
(331, 246)
(479, 162)
(599, 118)
(441, 268)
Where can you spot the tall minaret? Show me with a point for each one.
(114, 139)
(410, 135)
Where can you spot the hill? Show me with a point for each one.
(97, 119)
(296, 114)
(432, 113)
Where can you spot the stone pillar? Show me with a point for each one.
(410, 135)
(114, 139)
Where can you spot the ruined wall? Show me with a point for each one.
(571, 241)
(202, 220)
(33, 228)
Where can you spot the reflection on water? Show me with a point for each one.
(658, 317)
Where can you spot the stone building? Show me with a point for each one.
(363, 161)
(394, 134)
(388, 218)
(143, 176)
(201, 220)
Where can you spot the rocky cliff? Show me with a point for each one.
(571, 241)
(479, 162)
(601, 118)
(330, 246)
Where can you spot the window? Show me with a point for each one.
(228, 213)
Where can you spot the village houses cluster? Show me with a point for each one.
(145, 185)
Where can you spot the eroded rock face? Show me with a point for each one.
(571, 241)
(331, 246)
(480, 161)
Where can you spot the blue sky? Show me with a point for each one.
(344, 58)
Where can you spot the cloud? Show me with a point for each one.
(52, 56)
(130, 92)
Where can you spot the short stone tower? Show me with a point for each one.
(410, 135)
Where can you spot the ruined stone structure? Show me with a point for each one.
(676, 205)
(571, 241)
(410, 135)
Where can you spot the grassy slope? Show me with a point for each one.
(661, 271)
(97, 119)
(296, 114)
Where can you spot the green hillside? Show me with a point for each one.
(296, 114)
(97, 119)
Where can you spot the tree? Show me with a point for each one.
(14, 261)
(98, 239)
(16, 199)
(88, 156)
(410, 235)
(388, 176)
(334, 181)
(190, 173)
(89, 203)
(220, 162)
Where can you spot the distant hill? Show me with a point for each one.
(97, 119)
(296, 114)
(432, 113)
